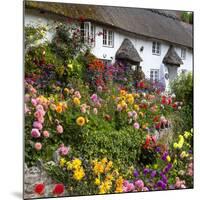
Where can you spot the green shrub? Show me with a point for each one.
(123, 147)
(182, 86)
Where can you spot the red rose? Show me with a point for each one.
(169, 100)
(39, 188)
(58, 189)
(141, 84)
(164, 101)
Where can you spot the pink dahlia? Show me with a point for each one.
(38, 146)
(37, 125)
(59, 129)
(35, 133)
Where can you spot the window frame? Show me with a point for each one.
(108, 38)
(152, 71)
(156, 48)
(88, 33)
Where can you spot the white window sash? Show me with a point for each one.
(108, 38)
(89, 33)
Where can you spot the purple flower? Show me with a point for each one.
(161, 184)
(167, 168)
(164, 178)
(146, 171)
(153, 174)
(164, 157)
(158, 149)
(135, 173)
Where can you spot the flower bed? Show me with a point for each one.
(95, 134)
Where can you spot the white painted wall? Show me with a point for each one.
(150, 61)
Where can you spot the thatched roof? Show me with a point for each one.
(128, 52)
(157, 24)
(172, 57)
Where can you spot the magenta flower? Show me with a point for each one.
(37, 125)
(35, 133)
(136, 125)
(34, 102)
(139, 184)
(94, 98)
(63, 150)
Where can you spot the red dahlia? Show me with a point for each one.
(39, 188)
(58, 189)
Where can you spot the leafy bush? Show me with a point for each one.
(123, 147)
(182, 86)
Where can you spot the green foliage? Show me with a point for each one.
(67, 42)
(123, 147)
(33, 35)
(187, 17)
(182, 86)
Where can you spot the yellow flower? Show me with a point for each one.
(66, 90)
(59, 108)
(141, 114)
(175, 161)
(184, 154)
(119, 184)
(130, 98)
(80, 121)
(79, 174)
(98, 168)
(62, 162)
(168, 158)
(155, 166)
(175, 145)
(69, 165)
(76, 101)
(76, 163)
(107, 184)
(102, 190)
(104, 160)
(136, 107)
(123, 104)
(97, 181)
(187, 134)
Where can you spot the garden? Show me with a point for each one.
(90, 128)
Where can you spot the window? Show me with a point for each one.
(156, 48)
(106, 62)
(183, 54)
(88, 33)
(154, 74)
(108, 38)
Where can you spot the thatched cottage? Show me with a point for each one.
(155, 39)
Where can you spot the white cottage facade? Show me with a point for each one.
(152, 50)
